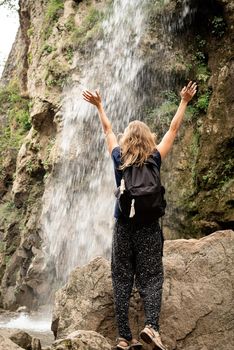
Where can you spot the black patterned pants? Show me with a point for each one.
(137, 254)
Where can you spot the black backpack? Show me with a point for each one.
(141, 195)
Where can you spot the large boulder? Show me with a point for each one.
(34, 340)
(20, 338)
(7, 344)
(197, 308)
(23, 339)
(86, 302)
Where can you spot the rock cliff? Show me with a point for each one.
(51, 33)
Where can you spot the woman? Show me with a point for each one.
(137, 249)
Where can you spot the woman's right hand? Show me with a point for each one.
(188, 91)
(94, 99)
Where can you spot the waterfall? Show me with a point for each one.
(78, 203)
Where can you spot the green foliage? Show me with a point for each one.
(200, 54)
(208, 177)
(22, 118)
(89, 28)
(7, 259)
(227, 172)
(58, 81)
(30, 31)
(16, 106)
(191, 113)
(92, 18)
(69, 53)
(220, 174)
(47, 31)
(2, 171)
(166, 110)
(53, 9)
(201, 42)
(196, 107)
(202, 74)
(70, 25)
(218, 26)
(47, 161)
(47, 49)
(189, 67)
(56, 75)
(194, 149)
(203, 101)
(10, 205)
(171, 96)
(15, 112)
(32, 166)
(9, 213)
(29, 57)
(2, 246)
(35, 147)
(159, 118)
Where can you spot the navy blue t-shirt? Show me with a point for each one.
(116, 157)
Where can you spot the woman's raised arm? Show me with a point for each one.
(96, 100)
(186, 94)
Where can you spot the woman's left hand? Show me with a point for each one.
(94, 99)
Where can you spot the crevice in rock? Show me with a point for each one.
(226, 225)
(194, 327)
(24, 17)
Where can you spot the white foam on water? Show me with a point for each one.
(27, 322)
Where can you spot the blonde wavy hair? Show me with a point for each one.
(137, 143)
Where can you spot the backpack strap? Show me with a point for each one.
(151, 160)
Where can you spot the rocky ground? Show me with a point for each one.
(197, 307)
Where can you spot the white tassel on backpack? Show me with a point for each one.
(122, 189)
(122, 186)
(132, 211)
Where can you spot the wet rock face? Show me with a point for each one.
(197, 307)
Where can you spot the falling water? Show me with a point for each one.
(77, 215)
(78, 203)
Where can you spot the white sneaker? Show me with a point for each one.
(150, 336)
